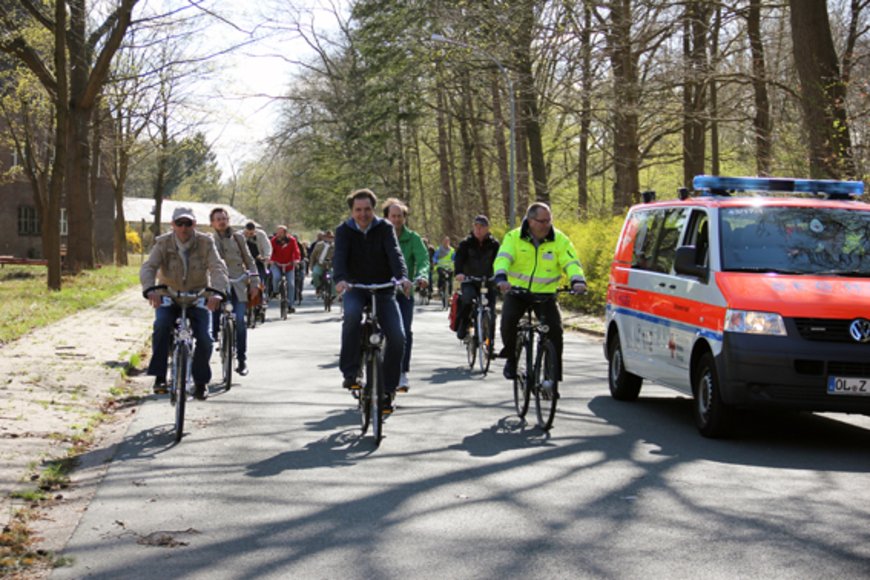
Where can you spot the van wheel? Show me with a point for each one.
(624, 386)
(713, 417)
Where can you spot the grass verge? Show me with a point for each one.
(28, 304)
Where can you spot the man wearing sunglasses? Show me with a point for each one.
(533, 258)
(186, 261)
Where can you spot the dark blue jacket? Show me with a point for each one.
(373, 257)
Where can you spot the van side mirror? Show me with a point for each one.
(684, 263)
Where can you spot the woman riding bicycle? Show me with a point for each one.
(534, 257)
(474, 257)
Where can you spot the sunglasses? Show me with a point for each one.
(184, 223)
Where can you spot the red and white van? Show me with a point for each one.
(745, 301)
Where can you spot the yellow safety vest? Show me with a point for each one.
(540, 269)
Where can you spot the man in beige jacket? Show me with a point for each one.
(185, 260)
(233, 248)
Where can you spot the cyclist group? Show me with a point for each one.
(366, 250)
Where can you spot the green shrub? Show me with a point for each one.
(595, 240)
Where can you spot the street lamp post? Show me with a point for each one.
(512, 213)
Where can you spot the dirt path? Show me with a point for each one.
(53, 384)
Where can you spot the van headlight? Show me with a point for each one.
(751, 322)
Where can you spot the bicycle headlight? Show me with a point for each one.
(752, 322)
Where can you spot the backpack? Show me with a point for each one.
(454, 310)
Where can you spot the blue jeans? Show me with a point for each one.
(390, 320)
(406, 307)
(164, 322)
(290, 276)
(239, 309)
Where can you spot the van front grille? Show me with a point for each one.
(824, 329)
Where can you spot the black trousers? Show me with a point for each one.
(513, 309)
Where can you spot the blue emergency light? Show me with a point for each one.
(829, 187)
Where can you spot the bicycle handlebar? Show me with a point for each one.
(165, 290)
(542, 296)
(373, 287)
(477, 279)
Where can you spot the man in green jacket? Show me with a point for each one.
(417, 260)
(532, 260)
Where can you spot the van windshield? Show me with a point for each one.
(798, 240)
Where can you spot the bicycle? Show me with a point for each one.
(370, 400)
(282, 290)
(480, 342)
(227, 343)
(181, 367)
(445, 286)
(299, 273)
(327, 289)
(426, 294)
(256, 310)
(537, 363)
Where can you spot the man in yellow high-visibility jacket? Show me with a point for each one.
(534, 258)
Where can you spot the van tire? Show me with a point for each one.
(713, 417)
(624, 386)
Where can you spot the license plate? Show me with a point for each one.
(848, 386)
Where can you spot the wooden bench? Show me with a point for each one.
(12, 260)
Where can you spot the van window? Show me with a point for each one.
(802, 240)
(657, 239)
(698, 235)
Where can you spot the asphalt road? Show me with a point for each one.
(273, 480)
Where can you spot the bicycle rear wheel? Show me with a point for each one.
(180, 377)
(521, 379)
(546, 385)
(484, 340)
(375, 386)
(327, 299)
(228, 344)
(445, 298)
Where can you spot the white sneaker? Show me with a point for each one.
(403, 383)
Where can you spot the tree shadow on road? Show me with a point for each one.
(334, 420)
(339, 449)
(509, 433)
(444, 375)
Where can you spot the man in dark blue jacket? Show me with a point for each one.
(367, 252)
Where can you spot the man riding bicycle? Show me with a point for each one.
(474, 257)
(417, 262)
(534, 257)
(442, 259)
(241, 269)
(321, 258)
(285, 257)
(186, 261)
(259, 246)
(367, 252)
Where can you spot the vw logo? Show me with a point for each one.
(860, 330)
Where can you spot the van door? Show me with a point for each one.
(646, 331)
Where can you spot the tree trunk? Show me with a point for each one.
(529, 103)
(467, 187)
(762, 121)
(626, 154)
(501, 149)
(80, 208)
(51, 223)
(479, 162)
(445, 197)
(823, 93)
(585, 113)
(714, 93)
(694, 93)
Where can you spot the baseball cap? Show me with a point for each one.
(182, 213)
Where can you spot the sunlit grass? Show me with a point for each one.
(28, 304)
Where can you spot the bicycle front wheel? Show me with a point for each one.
(484, 340)
(546, 385)
(375, 386)
(228, 346)
(471, 347)
(364, 397)
(180, 378)
(521, 379)
(284, 304)
(327, 299)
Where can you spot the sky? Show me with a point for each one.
(245, 95)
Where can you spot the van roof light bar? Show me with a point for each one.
(832, 188)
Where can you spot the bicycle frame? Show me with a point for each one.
(371, 398)
(480, 346)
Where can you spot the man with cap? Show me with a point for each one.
(186, 261)
(474, 257)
